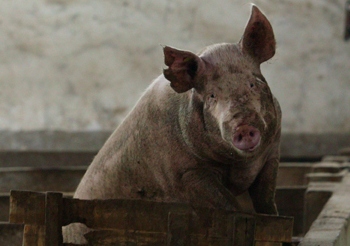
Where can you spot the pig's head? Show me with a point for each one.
(237, 106)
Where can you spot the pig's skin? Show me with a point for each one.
(176, 144)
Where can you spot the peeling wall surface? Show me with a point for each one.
(82, 64)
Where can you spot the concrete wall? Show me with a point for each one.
(82, 64)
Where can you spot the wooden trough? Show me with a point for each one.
(136, 222)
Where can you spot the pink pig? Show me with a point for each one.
(205, 131)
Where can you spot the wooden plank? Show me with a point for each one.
(122, 237)
(327, 167)
(222, 224)
(325, 177)
(262, 243)
(243, 231)
(53, 219)
(179, 229)
(136, 221)
(135, 215)
(210, 222)
(336, 158)
(27, 207)
(5, 205)
(274, 228)
(34, 235)
(121, 214)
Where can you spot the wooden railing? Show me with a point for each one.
(137, 222)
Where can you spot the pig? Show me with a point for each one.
(205, 131)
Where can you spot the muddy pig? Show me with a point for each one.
(205, 131)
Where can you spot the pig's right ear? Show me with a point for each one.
(183, 68)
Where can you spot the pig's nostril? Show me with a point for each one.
(251, 134)
(240, 137)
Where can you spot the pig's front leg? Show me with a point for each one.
(204, 188)
(262, 191)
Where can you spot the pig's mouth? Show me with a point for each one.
(246, 138)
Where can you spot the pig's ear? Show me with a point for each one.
(258, 39)
(183, 68)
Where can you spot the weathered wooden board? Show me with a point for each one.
(142, 222)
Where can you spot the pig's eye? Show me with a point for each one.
(211, 99)
(251, 85)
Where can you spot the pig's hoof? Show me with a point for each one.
(246, 138)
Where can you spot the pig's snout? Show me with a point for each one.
(246, 138)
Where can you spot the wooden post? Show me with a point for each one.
(53, 219)
(26, 207)
(34, 235)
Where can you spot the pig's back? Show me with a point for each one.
(137, 160)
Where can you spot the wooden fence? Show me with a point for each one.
(137, 222)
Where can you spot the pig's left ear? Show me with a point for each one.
(183, 68)
(258, 39)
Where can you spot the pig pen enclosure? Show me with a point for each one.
(312, 198)
(70, 66)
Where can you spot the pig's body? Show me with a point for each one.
(210, 134)
(147, 156)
